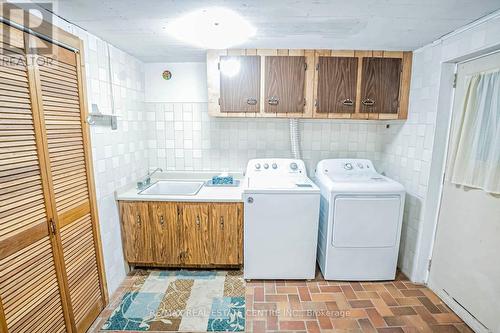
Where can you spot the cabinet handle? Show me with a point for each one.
(348, 102)
(251, 101)
(368, 102)
(138, 219)
(162, 220)
(198, 221)
(273, 100)
(222, 222)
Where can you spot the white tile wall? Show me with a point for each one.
(119, 156)
(184, 137)
(408, 147)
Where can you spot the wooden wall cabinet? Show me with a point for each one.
(239, 84)
(284, 84)
(182, 234)
(337, 76)
(333, 84)
(284, 79)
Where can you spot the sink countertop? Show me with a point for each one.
(205, 194)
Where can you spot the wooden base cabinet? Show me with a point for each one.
(182, 234)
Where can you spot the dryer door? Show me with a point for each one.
(366, 221)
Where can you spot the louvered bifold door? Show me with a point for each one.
(30, 295)
(67, 145)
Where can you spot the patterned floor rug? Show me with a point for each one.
(189, 301)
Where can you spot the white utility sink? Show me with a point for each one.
(173, 187)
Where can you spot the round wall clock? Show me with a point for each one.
(167, 75)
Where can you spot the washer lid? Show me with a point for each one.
(280, 185)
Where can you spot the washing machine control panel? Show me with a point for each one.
(275, 166)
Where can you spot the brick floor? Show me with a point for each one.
(342, 307)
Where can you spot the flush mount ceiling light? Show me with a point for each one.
(212, 28)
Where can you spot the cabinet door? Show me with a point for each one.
(66, 139)
(196, 250)
(166, 230)
(137, 233)
(284, 84)
(226, 233)
(337, 78)
(381, 79)
(239, 83)
(30, 273)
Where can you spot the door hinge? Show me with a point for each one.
(218, 65)
(52, 225)
(429, 265)
(219, 100)
(305, 102)
(317, 67)
(455, 80)
(305, 66)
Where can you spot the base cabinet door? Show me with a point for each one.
(196, 249)
(166, 229)
(226, 233)
(137, 233)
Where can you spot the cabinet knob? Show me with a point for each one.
(222, 222)
(197, 221)
(368, 102)
(162, 220)
(251, 101)
(348, 102)
(273, 100)
(138, 219)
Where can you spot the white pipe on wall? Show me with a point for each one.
(295, 138)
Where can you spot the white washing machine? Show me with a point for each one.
(280, 220)
(361, 212)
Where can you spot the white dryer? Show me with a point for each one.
(361, 212)
(280, 220)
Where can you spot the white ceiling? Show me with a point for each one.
(138, 26)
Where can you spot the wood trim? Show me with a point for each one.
(41, 142)
(3, 320)
(404, 91)
(74, 214)
(29, 236)
(92, 314)
(90, 173)
(17, 16)
(213, 81)
(317, 54)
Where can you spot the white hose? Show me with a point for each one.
(294, 137)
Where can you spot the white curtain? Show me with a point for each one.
(476, 159)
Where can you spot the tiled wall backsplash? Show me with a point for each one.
(408, 150)
(119, 156)
(183, 137)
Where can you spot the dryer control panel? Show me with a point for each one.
(347, 166)
(275, 166)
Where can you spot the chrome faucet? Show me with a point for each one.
(141, 185)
